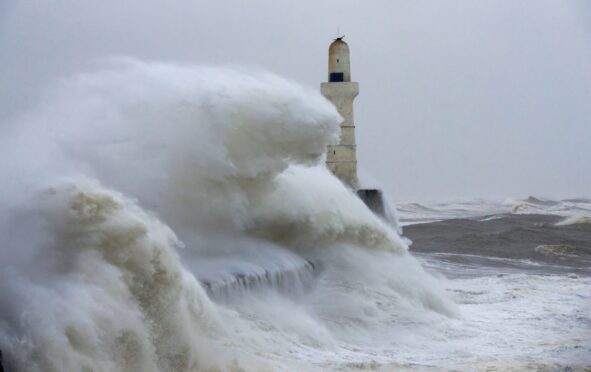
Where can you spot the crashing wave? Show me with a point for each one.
(574, 220)
(108, 293)
(138, 160)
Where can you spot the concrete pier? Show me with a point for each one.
(374, 200)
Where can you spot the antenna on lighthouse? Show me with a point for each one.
(339, 36)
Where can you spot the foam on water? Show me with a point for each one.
(574, 210)
(574, 220)
(413, 212)
(173, 218)
(136, 192)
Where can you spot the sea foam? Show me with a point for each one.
(131, 188)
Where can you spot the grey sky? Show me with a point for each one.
(458, 99)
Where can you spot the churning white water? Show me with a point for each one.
(175, 218)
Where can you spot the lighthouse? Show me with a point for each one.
(341, 159)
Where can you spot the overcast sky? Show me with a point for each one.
(458, 99)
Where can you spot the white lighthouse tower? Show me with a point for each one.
(341, 159)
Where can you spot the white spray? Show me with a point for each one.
(231, 161)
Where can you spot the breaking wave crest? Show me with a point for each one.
(136, 192)
(579, 207)
(108, 293)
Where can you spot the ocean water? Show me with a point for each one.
(158, 217)
(521, 277)
(578, 209)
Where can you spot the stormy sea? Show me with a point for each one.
(160, 217)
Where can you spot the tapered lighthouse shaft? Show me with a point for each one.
(341, 159)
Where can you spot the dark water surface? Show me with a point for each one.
(528, 242)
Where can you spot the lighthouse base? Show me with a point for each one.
(374, 200)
